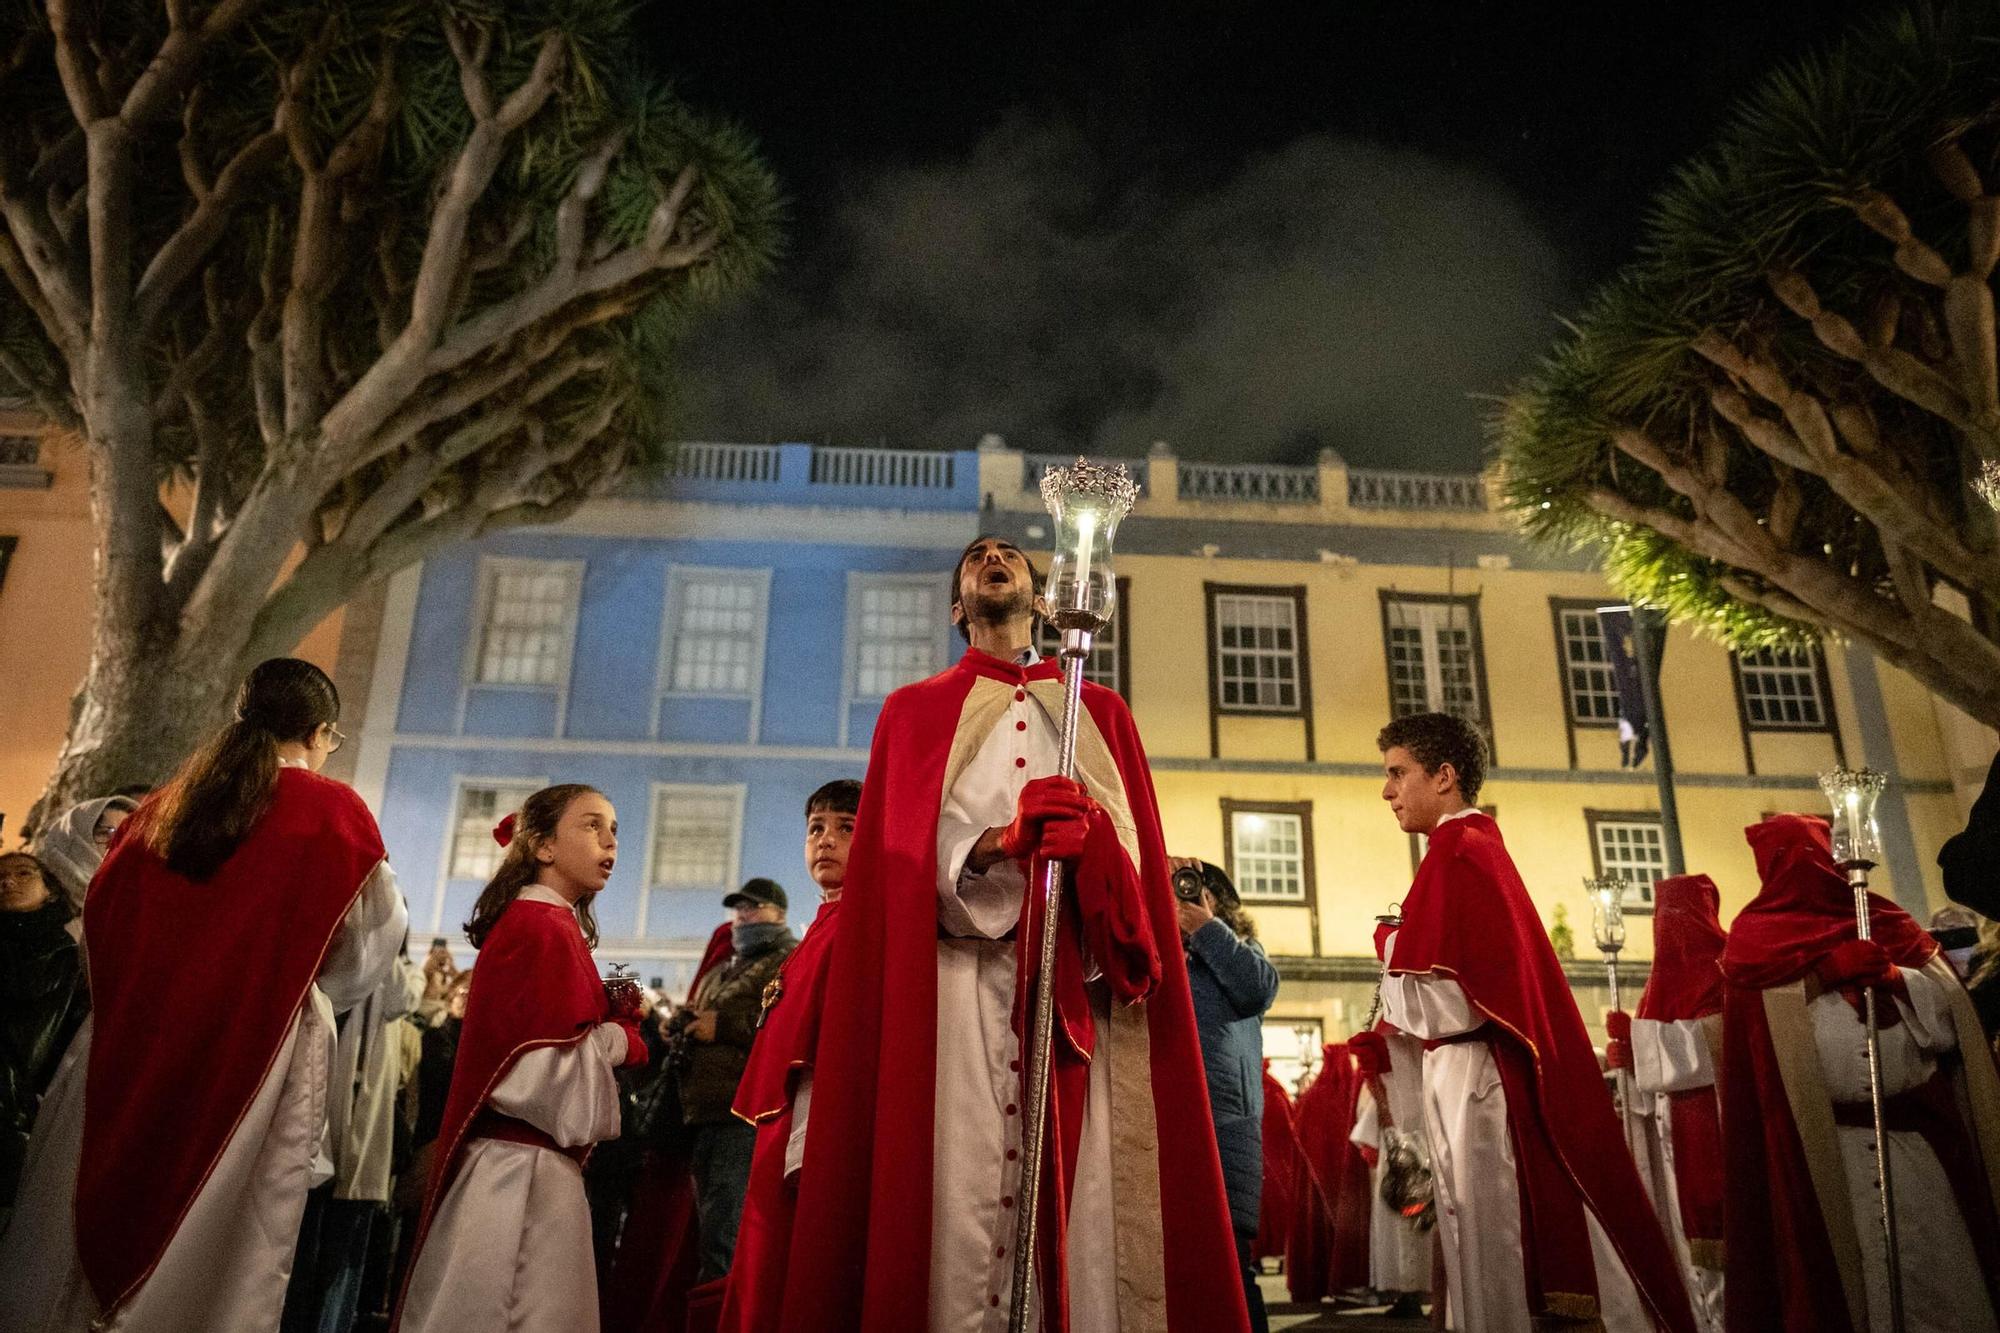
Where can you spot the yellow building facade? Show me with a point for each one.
(1364, 595)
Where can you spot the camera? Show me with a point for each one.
(675, 1032)
(1189, 881)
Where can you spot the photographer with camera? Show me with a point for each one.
(1233, 985)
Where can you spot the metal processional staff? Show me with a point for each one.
(1087, 501)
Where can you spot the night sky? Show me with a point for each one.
(1250, 230)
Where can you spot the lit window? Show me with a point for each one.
(1586, 666)
(1781, 688)
(715, 628)
(1267, 851)
(527, 622)
(474, 854)
(1433, 659)
(1257, 652)
(696, 833)
(894, 635)
(1632, 850)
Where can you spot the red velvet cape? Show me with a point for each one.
(1781, 1270)
(646, 1290)
(786, 1047)
(1281, 1150)
(1469, 918)
(1686, 984)
(230, 959)
(860, 1253)
(534, 986)
(1329, 1239)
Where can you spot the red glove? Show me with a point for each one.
(1371, 1053)
(1618, 1053)
(1372, 1156)
(1860, 965)
(1618, 1025)
(1042, 801)
(1064, 839)
(636, 1053)
(1383, 930)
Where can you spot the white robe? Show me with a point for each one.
(509, 1249)
(1669, 1058)
(1399, 1255)
(977, 1119)
(227, 1265)
(1942, 1287)
(1472, 1169)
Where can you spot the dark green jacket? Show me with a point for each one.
(735, 991)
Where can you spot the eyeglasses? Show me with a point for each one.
(339, 738)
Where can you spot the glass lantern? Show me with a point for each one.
(1607, 911)
(1087, 501)
(1853, 792)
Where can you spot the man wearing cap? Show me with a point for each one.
(719, 1024)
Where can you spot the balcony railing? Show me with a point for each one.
(21, 464)
(1379, 489)
(1267, 483)
(725, 462)
(901, 468)
(1035, 465)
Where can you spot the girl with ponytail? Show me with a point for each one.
(238, 910)
(504, 1244)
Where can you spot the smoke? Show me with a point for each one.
(1331, 293)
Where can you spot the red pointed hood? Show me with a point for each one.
(1688, 940)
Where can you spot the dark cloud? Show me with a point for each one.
(1333, 292)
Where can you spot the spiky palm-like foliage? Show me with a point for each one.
(365, 277)
(1768, 421)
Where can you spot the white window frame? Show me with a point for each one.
(1570, 665)
(1601, 854)
(1106, 665)
(1241, 878)
(1434, 616)
(1804, 666)
(447, 856)
(679, 577)
(1286, 599)
(859, 581)
(736, 793)
(490, 569)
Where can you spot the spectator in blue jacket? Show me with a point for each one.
(1233, 984)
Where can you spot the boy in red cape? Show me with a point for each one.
(1673, 1048)
(905, 1216)
(776, 1092)
(504, 1242)
(1805, 1243)
(1510, 1079)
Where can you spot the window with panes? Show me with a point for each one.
(1257, 652)
(894, 630)
(527, 622)
(1106, 664)
(1267, 852)
(696, 833)
(1433, 650)
(1586, 665)
(1633, 850)
(474, 853)
(716, 632)
(1781, 688)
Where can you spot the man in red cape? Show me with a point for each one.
(1509, 1073)
(905, 1215)
(1281, 1150)
(1805, 1248)
(647, 1288)
(1329, 1238)
(1673, 1049)
(776, 1092)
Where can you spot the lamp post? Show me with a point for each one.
(1857, 843)
(1086, 501)
(1607, 926)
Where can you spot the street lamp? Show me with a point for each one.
(1086, 500)
(1857, 847)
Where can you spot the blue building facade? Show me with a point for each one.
(706, 648)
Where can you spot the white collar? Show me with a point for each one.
(292, 763)
(1456, 814)
(542, 893)
(1027, 657)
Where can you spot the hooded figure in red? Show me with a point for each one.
(1472, 973)
(1329, 1237)
(930, 970)
(1673, 1049)
(1804, 1251)
(1281, 1150)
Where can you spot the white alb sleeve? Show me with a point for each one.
(1671, 1057)
(369, 941)
(567, 1092)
